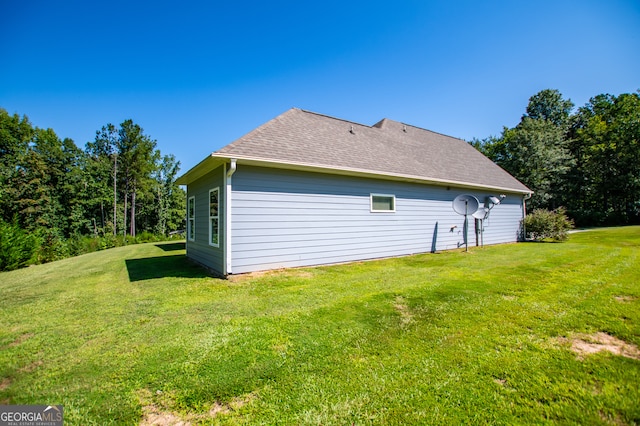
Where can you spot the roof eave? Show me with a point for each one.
(346, 171)
(199, 170)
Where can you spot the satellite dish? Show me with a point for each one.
(466, 204)
(493, 200)
(481, 213)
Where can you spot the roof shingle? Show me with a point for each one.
(386, 148)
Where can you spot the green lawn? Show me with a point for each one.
(137, 334)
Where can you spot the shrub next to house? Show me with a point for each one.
(544, 224)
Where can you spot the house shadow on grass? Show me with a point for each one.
(176, 266)
(171, 246)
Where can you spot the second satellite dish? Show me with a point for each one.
(465, 204)
(481, 213)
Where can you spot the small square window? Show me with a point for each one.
(383, 203)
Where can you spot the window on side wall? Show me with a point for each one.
(383, 203)
(214, 231)
(191, 219)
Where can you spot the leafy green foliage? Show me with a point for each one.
(119, 185)
(548, 105)
(536, 151)
(588, 161)
(52, 246)
(17, 247)
(544, 224)
(605, 185)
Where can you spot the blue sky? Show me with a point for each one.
(197, 75)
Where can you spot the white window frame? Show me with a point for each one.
(393, 200)
(214, 217)
(191, 219)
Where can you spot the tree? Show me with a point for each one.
(56, 193)
(103, 166)
(588, 161)
(165, 176)
(549, 105)
(136, 154)
(15, 135)
(127, 157)
(606, 146)
(536, 151)
(61, 162)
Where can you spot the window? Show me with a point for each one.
(191, 219)
(383, 203)
(214, 231)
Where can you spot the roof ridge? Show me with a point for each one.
(433, 131)
(380, 123)
(331, 117)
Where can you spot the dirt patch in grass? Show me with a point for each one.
(587, 344)
(284, 273)
(156, 413)
(152, 417)
(624, 299)
(234, 405)
(5, 383)
(612, 420)
(246, 277)
(400, 305)
(21, 339)
(31, 367)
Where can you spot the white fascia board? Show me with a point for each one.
(345, 171)
(202, 168)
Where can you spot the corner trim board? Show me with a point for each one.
(228, 264)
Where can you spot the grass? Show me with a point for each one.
(137, 334)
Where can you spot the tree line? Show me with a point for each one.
(63, 200)
(585, 160)
(58, 200)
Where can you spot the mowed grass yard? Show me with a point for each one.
(499, 335)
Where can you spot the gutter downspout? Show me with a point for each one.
(227, 216)
(525, 197)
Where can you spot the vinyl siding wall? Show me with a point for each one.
(200, 250)
(286, 218)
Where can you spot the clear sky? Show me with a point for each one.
(196, 75)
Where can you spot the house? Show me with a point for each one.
(308, 189)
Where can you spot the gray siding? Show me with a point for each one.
(200, 250)
(285, 218)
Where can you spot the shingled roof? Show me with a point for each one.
(306, 140)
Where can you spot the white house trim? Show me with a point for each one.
(350, 171)
(227, 215)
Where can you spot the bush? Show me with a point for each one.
(17, 246)
(52, 247)
(148, 237)
(81, 244)
(544, 224)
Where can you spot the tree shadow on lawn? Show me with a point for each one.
(177, 266)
